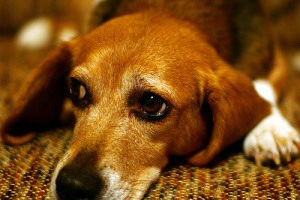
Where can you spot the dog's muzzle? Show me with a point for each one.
(73, 183)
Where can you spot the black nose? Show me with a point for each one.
(77, 184)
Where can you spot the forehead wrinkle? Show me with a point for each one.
(156, 85)
(80, 72)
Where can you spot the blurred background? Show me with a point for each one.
(63, 19)
(19, 53)
(285, 14)
(15, 13)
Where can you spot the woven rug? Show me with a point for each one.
(25, 171)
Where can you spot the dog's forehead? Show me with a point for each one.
(124, 51)
(105, 69)
(136, 34)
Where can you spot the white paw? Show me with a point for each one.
(273, 139)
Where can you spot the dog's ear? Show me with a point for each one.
(235, 107)
(40, 100)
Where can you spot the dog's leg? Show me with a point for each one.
(273, 138)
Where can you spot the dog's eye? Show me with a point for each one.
(152, 106)
(78, 93)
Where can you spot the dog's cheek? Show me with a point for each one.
(134, 186)
(190, 133)
(149, 176)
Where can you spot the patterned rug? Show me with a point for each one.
(25, 171)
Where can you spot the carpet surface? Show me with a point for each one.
(25, 171)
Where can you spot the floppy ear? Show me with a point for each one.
(40, 100)
(236, 108)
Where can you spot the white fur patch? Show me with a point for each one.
(117, 189)
(114, 188)
(273, 138)
(36, 34)
(266, 91)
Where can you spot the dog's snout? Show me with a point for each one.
(77, 184)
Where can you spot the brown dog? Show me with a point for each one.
(156, 82)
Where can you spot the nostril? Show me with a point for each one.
(76, 184)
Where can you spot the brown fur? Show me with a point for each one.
(214, 105)
(190, 62)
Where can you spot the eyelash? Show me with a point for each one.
(149, 106)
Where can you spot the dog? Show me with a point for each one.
(158, 78)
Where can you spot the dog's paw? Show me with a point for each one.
(273, 139)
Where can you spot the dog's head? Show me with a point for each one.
(144, 87)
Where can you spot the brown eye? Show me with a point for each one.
(152, 106)
(78, 93)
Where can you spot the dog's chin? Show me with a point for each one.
(115, 188)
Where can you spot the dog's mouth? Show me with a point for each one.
(116, 188)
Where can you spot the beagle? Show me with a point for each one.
(158, 78)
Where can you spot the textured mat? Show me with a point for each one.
(25, 171)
